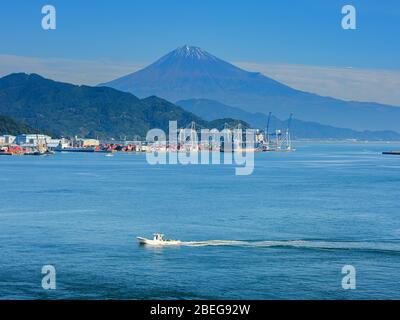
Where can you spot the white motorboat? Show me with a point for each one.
(158, 240)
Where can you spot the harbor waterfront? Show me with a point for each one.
(284, 232)
(182, 140)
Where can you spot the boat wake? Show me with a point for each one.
(304, 244)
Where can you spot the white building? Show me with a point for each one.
(259, 137)
(54, 143)
(7, 139)
(32, 140)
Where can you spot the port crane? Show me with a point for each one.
(267, 129)
(282, 140)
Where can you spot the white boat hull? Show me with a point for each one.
(149, 242)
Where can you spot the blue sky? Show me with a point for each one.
(298, 42)
(285, 31)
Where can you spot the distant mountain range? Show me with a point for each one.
(69, 110)
(210, 110)
(31, 103)
(192, 73)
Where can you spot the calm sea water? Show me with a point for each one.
(287, 230)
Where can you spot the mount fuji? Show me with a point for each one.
(192, 73)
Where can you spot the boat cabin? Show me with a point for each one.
(158, 237)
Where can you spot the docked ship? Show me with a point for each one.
(397, 153)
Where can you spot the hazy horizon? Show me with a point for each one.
(346, 83)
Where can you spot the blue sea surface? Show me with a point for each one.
(284, 232)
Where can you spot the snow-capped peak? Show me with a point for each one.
(187, 51)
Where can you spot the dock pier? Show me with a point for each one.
(392, 152)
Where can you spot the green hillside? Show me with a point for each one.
(10, 126)
(69, 110)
